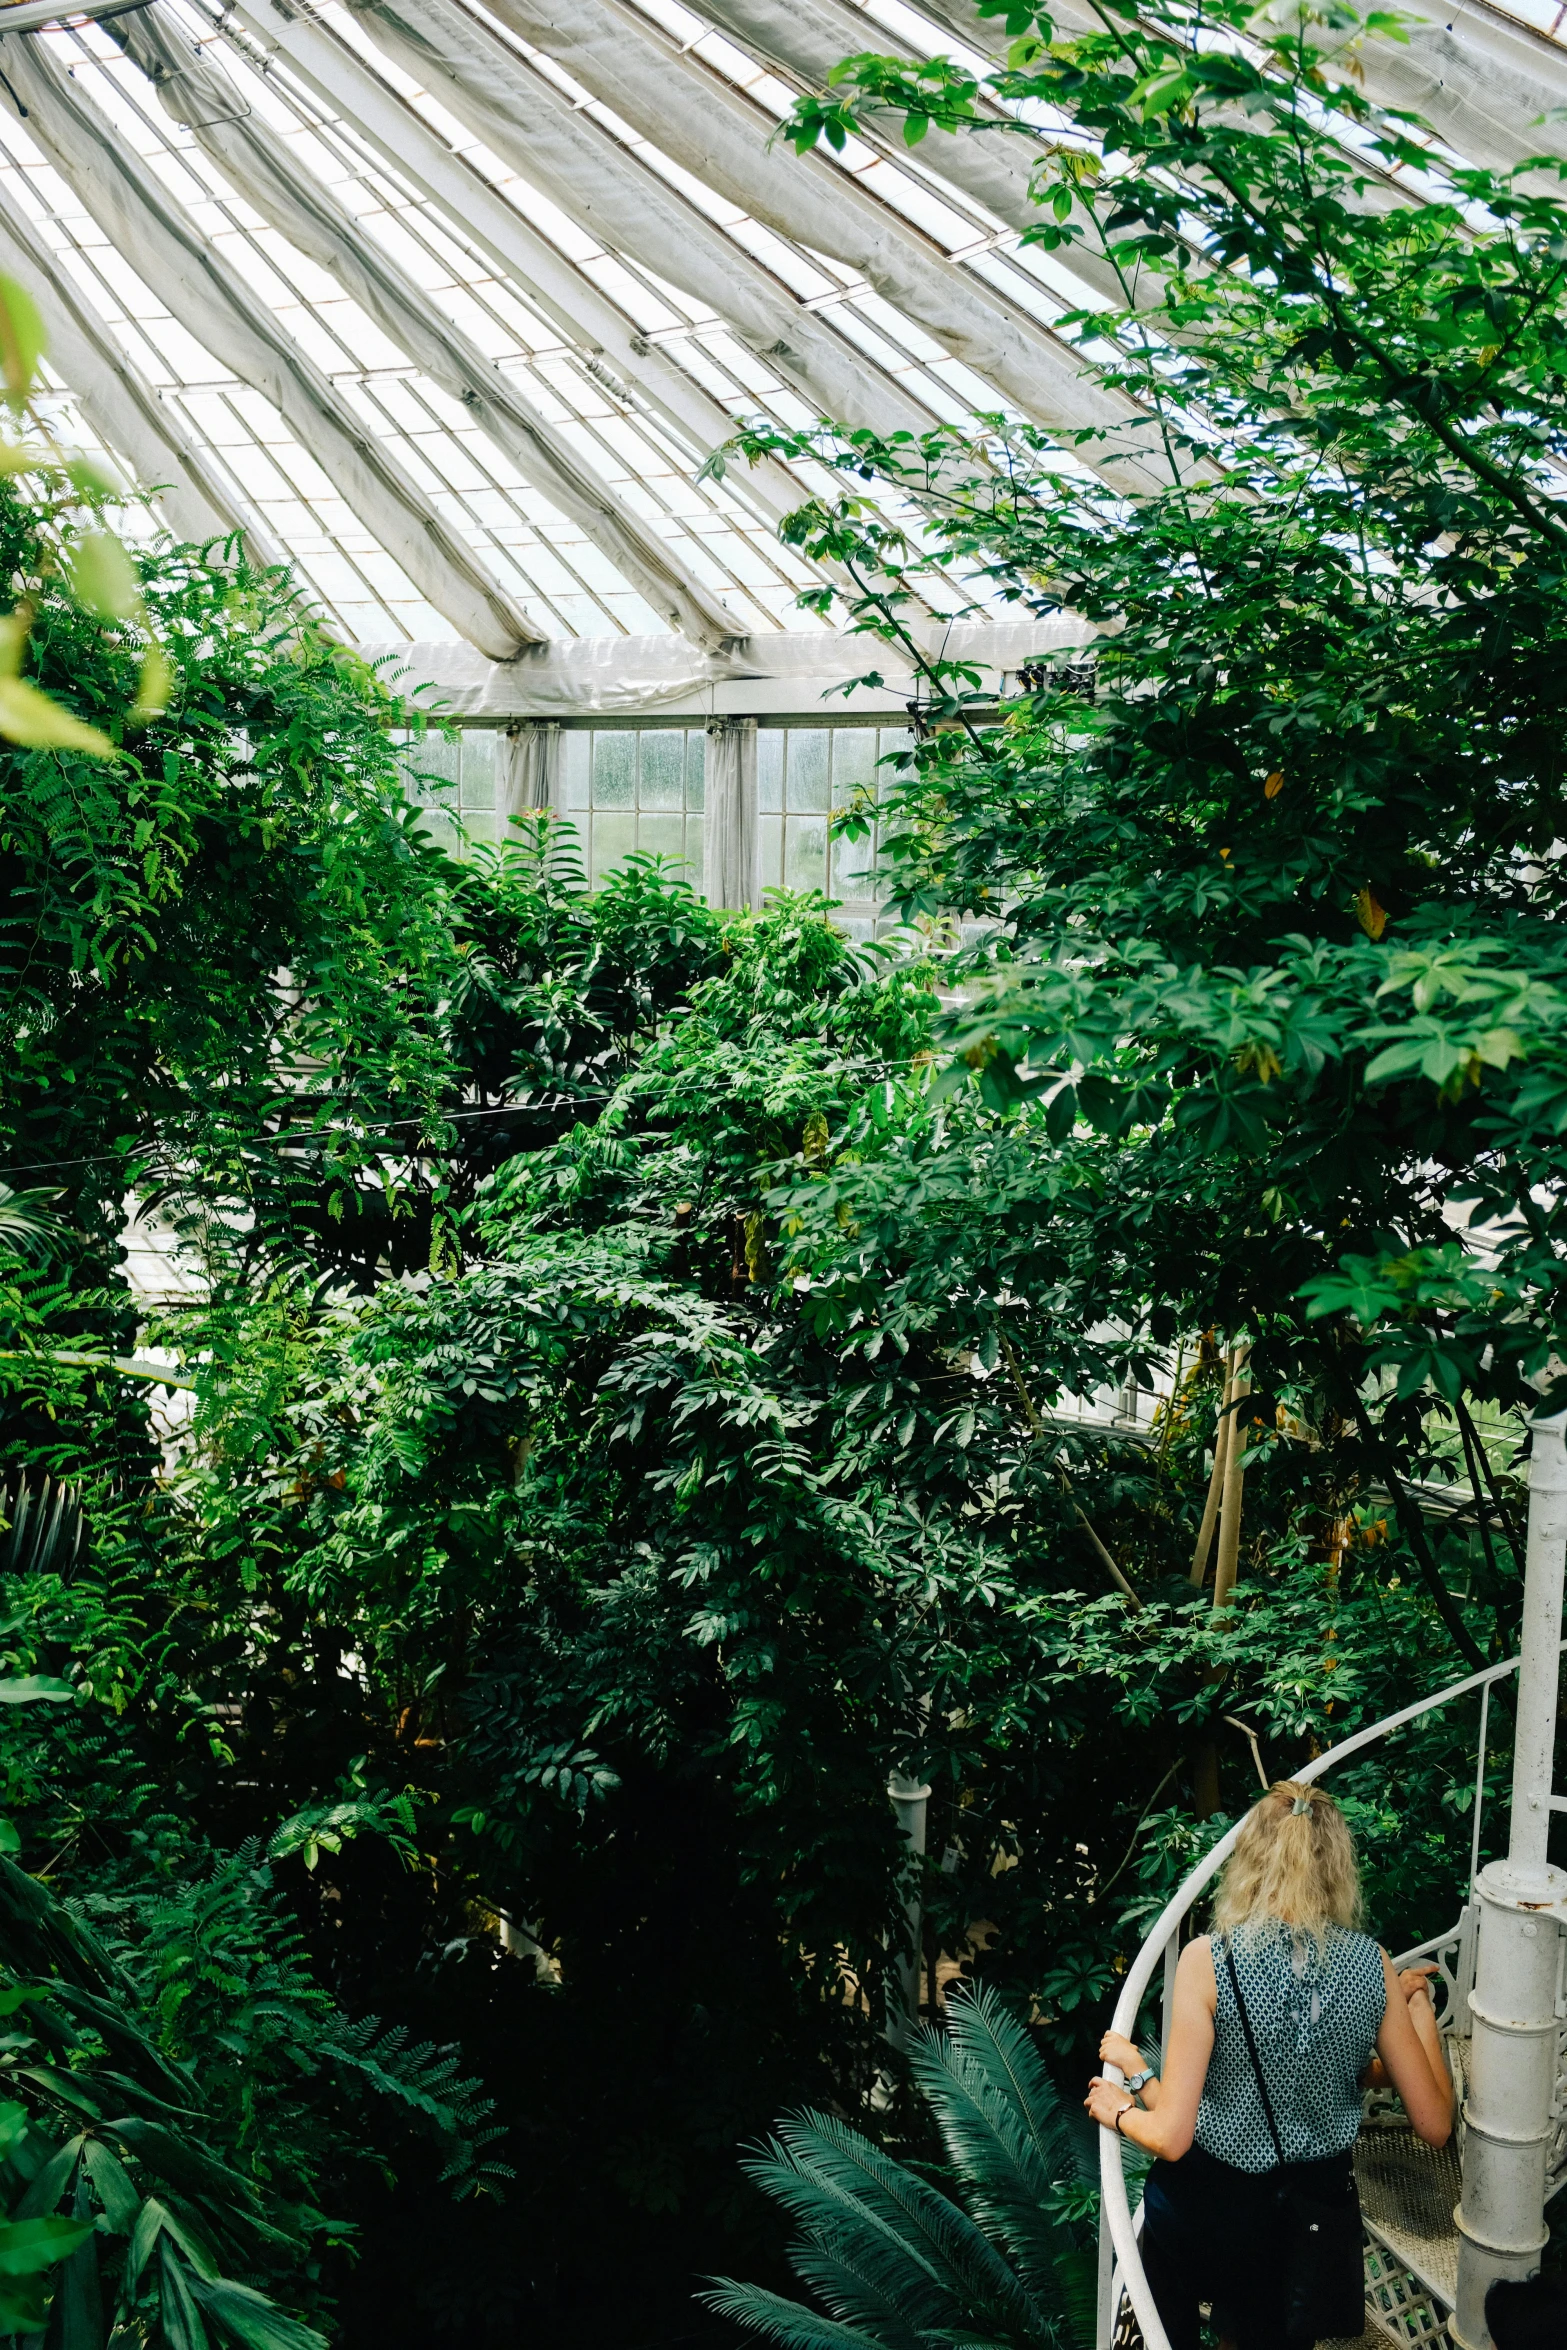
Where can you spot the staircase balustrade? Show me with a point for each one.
(1412, 2253)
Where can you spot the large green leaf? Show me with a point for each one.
(30, 2245)
(250, 2319)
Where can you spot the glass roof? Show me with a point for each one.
(633, 373)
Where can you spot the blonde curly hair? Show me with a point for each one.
(1294, 1864)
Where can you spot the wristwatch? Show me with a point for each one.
(1139, 2081)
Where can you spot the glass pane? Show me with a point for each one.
(441, 830)
(614, 838)
(852, 861)
(853, 762)
(614, 770)
(481, 823)
(696, 745)
(769, 767)
(430, 764)
(893, 738)
(576, 756)
(772, 851)
(808, 786)
(663, 760)
(805, 854)
(694, 848)
(478, 768)
(662, 836)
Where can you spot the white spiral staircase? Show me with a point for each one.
(1440, 2225)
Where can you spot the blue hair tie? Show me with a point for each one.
(1301, 1807)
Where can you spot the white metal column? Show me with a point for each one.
(1522, 1908)
(910, 1800)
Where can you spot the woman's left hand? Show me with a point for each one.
(1105, 2100)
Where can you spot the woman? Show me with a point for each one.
(1319, 1998)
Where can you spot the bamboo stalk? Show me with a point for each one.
(1221, 1447)
(1227, 1563)
(1116, 1575)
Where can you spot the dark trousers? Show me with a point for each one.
(1212, 2233)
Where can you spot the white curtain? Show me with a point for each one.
(121, 406)
(731, 870)
(529, 772)
(268, 174)
(176, 260)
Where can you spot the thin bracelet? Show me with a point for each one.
(1120, 2113)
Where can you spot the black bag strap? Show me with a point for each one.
(1251, 2050)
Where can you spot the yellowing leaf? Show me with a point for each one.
(104, 577)
(152, 693)
(1371, 917)
(16, 457)
(30, 718)
(13, 636)
(89, 480)
(22, 338)
(1273, 786)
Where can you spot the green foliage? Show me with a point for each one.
(635, 1399)
(896, 2260)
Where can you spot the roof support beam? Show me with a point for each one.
(791, 673)
(535, 129)
(197, 93)
(212, 302)
(712, 130)
(121, 406)
(347, 91)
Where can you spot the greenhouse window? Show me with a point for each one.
(805, 772)
(634, 788)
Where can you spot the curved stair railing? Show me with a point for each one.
(1123, 2287)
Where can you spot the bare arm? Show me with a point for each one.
(1116, 2049)
(1166, 2130)
(1410, 2048)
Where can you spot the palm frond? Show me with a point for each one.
(845, 2190)
(983, 2028)
(855, 2298)
(789, 2323)
(27, 1228)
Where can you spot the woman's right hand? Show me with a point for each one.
(1415, 1981)
(1115, 2048)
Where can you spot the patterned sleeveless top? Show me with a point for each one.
(1316, 2008)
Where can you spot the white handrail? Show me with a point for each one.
(1115, 2208)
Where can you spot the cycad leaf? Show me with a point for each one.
(998, 2164)
(986, 2031)
(787, 2322)
(849, 2194)
(1009, 2139)
(855, 2298)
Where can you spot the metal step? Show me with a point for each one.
(1408, 2193)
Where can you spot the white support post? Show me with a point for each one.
(910, 1799)
(1522, 1908)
